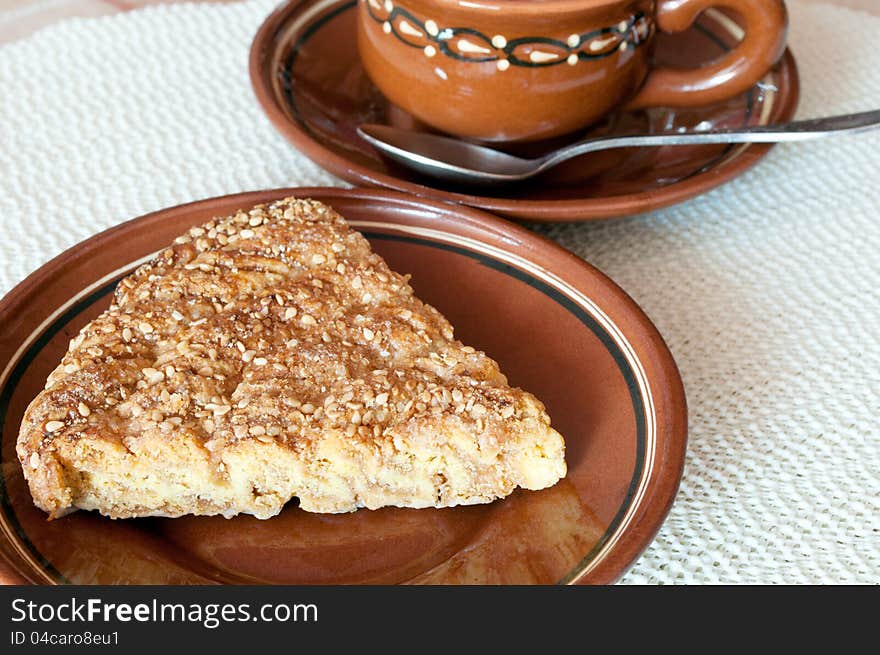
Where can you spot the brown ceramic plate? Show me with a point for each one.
(558, 327)
(306, 74)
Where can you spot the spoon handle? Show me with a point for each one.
(794, 131)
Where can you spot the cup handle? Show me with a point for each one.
(765, 27)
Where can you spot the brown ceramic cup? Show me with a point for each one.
(523, 70)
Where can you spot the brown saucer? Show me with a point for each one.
(306, 74)
(558, 327)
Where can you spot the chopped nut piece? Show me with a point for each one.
(153, 376)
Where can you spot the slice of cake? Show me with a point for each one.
(271, 355)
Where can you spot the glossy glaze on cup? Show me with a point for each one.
(497, 70)
(479, 83)
(557, 326)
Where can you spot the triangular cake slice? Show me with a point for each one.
(271, 355)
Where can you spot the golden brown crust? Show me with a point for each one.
(275, 332)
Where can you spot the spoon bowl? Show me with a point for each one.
(447, 158)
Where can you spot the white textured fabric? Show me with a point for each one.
(767, 290)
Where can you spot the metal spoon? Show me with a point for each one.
(459, 161)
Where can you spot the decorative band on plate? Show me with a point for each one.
(470, 45)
